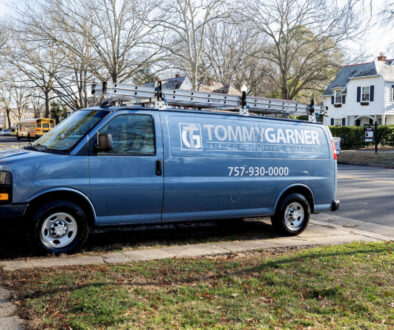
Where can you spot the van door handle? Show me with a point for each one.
(159, 170)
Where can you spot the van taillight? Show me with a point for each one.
(334, 150)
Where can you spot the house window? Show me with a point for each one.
(338, 121)
(365, 94)
(338, 97)
(392, 93)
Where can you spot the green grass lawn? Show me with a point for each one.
(341, 286)
(367, 157)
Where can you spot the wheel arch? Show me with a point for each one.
(69, 194)
(297, 188)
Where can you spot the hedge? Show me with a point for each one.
(353, 137)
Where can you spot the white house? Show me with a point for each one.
(361, 94)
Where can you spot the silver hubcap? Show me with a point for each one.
(58, 230)
(294, 215)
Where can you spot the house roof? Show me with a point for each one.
(216, 87)
(383, 68)
(172, 83)
(351, 71)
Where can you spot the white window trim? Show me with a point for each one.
(369, 94)
(337, 94)
(337, 121)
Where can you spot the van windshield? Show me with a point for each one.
(69, 132)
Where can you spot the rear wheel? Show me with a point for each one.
(292, 215)
(59, 227)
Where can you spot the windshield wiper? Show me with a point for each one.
(29, 147)
(37, 147)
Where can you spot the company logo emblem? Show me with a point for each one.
(190, 136)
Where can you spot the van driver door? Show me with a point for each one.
(126, 182)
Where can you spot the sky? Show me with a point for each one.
(377, 37)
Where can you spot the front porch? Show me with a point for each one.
(370, 120)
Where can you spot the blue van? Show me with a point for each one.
(112, 166)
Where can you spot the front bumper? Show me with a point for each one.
(335, 205)
(12, 215)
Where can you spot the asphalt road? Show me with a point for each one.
(7, 139)
(366, 194)
(10, 142)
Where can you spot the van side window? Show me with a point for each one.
(132, 135)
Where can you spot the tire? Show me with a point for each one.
(292, 215)
(59, 227)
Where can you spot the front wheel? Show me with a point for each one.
(59, 227)
(292, 215)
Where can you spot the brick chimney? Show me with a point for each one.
(382, 57)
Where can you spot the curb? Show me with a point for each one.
(365, 164)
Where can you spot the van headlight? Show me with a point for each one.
(5, 187)
(5, 177)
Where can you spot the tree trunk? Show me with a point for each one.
(7, 111)
(285, 92)
(46, 104)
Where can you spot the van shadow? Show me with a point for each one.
(15, 244)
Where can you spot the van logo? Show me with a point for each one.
(190, 136)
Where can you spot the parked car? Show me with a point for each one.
(338, 144)
(115, 166)
(5, 132)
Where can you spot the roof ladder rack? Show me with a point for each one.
(162, 98)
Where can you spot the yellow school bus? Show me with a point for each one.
(34, 128)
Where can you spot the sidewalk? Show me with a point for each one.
(323, 230)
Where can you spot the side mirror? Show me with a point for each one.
(104, 142)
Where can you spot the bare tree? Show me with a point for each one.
(20, 97)
(185, 22)
(117, 31)
(70, 79)
(6, 101)
(37, 63)
(35, 101)
(303, 38)
(230, 57)
(388, 12)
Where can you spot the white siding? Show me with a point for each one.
(388, 97)
(353, 109)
